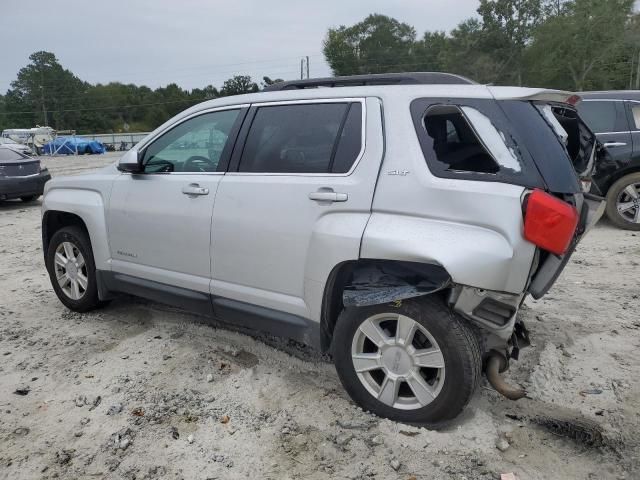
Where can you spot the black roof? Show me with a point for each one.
(411, 78)
(612, 94)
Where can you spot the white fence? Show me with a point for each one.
(116, 139)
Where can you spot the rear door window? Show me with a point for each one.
(603, 116)
(303, 138)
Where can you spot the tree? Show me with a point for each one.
(431, 52)
(508, 26)
(466, 53)
(207, 93)
(48, 90)
(586, 47)
(238, 85)
(378, 44)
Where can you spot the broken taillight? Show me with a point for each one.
(549, 222)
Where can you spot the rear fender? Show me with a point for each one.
(473, 255)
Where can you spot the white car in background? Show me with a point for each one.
(13, 145)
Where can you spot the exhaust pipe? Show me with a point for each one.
(494, 364)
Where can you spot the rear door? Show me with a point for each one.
(298, 195)
(608, 120)
(633, 114)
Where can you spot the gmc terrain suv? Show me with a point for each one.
(615, 118)
(394, 221)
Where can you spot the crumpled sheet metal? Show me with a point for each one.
(377, 285)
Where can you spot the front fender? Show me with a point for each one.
(90, 207)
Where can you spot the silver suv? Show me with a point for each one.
(394, 221)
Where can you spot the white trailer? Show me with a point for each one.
(35, 137)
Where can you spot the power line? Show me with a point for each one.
(216, 67)
(186, 100)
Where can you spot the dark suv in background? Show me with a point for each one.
(615, 118)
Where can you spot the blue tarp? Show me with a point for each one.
(67, 146)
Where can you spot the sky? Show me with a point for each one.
(194, 43)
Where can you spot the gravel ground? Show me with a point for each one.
(139, 390)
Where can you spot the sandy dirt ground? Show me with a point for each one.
(139, 390)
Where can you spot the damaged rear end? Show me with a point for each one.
(512, 175)
(556, 213)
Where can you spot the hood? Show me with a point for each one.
(92, 180)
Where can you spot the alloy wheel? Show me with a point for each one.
(628, 203)
(71, 270)
(398, 361)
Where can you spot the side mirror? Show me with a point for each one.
(130, 162)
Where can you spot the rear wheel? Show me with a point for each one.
(72, 270)
(417, 362)
(623, 202)
(28, 198)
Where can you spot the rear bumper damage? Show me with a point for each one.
(592, 208)
(502, 335)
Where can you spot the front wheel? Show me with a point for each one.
(417, 363)
(28, 198)
(72, 270)
(623, 202)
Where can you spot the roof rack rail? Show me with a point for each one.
(411, 78)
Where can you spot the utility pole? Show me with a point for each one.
(44, 107)
(307, 67)
(301, 68)
(638, 73)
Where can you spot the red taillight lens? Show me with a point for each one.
(549, 222)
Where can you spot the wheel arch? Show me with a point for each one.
(621, 173)
(54, 220)
(379, 281)
(84, 208)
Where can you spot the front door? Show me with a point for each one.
(159, 222)
(298, 199)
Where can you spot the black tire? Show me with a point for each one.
(78, 237)
(612, 198)
(28, 198)
(458, 344)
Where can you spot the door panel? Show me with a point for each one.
(608, 120)
(159, 222)
(274, 235)
(158, 232)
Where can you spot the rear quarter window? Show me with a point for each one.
(506, 141)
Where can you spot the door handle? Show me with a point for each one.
(195, 189)
(328, 195)
(614, 144)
